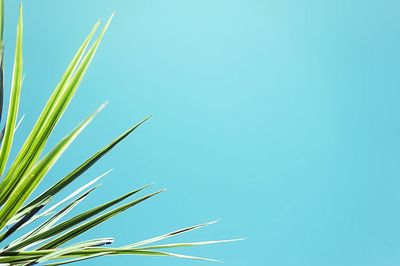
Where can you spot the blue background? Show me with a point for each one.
(281, 117)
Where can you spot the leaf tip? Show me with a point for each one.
(215, 221)
(102, 106)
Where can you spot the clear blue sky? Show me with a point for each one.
(281, 117)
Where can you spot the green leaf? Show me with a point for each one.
(84, 166)
(88, 250)
(30, 167)
(137, 252)
(14, 97)
(54, 219)
(90, 224)
(15, 130)
(26, 256)
(49, 117)
(22, 221)
(56, 205)
(72, 222)
(191, 244)
(1, 58)
(168, 235)
(75, 192)
(75, 248)
(32, 180)
(85, 257)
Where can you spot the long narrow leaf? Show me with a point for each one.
(82, 258)
(56, 205)
(90, 224)
(168, 235)
(14, 98)
(32, 180)
(1, 57)
(55, 218)
(15, 130)
(75, 248)
(22, 221)
(83, 167)
(191, 244)
(72, 222)
(12, 257)
(52, 112)
(136, 252)
(74, 193)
